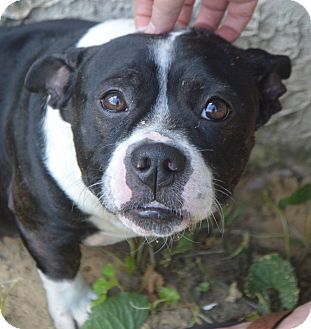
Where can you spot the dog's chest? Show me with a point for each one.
(111, 231)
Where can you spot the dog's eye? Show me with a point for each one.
(113, 101)
(215, 110)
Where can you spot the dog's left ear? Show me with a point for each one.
(53, 75)
(269, 70)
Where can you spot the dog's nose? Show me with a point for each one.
(157, 164)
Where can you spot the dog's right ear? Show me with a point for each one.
(269, 71)
(53, 75)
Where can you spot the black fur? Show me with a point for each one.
(51, 226)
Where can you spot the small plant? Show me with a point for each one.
(122, 311)
(203, 287)
(301, 196)
(105, 283)
(167, 296)
(272, 272)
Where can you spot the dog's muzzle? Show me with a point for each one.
(158, 185)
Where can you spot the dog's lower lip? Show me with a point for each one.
(153, 212)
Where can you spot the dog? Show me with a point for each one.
(107, 134)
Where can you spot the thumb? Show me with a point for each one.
(164, 15)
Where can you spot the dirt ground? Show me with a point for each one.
(206, 261)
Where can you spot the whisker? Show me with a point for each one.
(222, 217)
(205, 150)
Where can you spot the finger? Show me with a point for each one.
(211, 14)
(142, 12)
(238, 16)
(164, 15)
(185, 14)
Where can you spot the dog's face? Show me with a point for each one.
(163, 125)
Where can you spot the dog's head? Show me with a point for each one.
(163, 126)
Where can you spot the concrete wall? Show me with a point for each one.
(279, 26)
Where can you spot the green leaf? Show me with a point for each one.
(123, 311)
(273, 272)
(204, 286)
(300, 196)
(169, 295)
(101, 286)
(109, 271)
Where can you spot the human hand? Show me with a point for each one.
(301, 316)
(159, 16)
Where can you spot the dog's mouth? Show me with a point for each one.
(154, 219)
(156, 210)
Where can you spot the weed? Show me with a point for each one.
(272, 272)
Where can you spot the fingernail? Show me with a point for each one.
(151, 28)
(141, 29)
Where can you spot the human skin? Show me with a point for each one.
(226, 18)
(292, 321)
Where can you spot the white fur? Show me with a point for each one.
(104, 32)
(163, 52)
(61, 162)
(68, 300)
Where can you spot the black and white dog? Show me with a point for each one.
(106, 140)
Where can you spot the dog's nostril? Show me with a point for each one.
(171, 166)
(143, 164)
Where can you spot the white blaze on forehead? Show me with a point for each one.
(163, 53)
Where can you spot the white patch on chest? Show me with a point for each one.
(61, 162)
